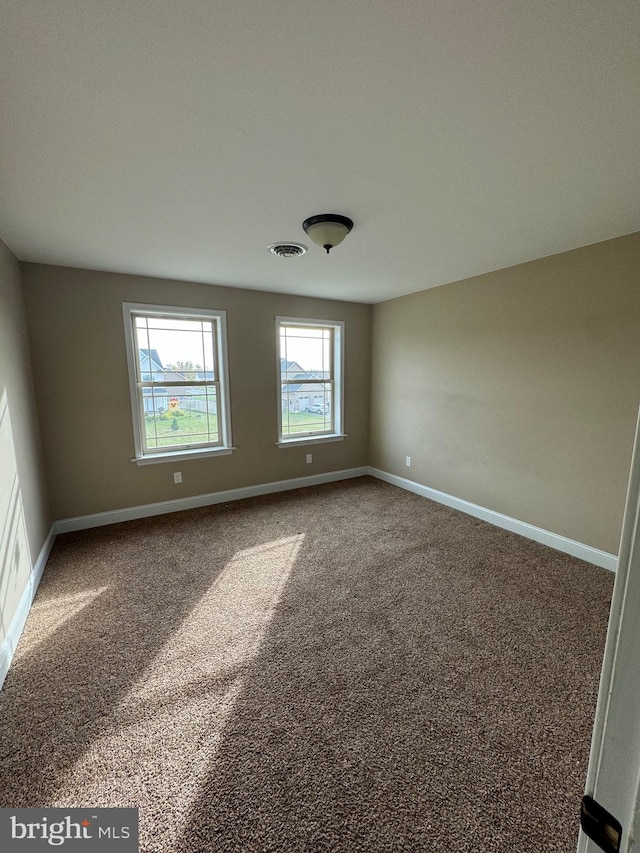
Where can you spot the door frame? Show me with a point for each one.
(613, 775)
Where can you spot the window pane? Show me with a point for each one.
(177, 417)
(311, 378)
(307, 408)
(177, 370)
(178, 349)
(305, 350)
(306, 359)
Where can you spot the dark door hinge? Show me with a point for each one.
(600, 826)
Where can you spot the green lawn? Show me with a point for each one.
(192, 428)
(293, 422)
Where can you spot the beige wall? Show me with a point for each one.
(25, 518)
(77, 334)
(518, 390)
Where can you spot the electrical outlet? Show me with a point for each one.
(407, 461)
(309, 457)
(177, 477)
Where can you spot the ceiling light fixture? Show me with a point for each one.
(327, 229)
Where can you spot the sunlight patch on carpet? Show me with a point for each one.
(173, 718)
(49, 614)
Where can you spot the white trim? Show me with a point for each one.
(310, 439)
(337, 360)
(130, 310)
(529, 531)
(99, 519)
(8, 647)
(177, 455)
(614, 762)
(83, 522)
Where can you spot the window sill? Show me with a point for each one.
(176, 455)
(311, 439)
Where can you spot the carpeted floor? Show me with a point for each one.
(348, 667)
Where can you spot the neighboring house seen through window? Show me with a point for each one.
(178, 377)
(310, 381)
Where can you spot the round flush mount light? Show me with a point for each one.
(287, 250)
(327, 229)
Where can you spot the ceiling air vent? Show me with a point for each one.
(287, 250)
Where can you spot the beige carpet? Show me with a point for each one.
(348, 667)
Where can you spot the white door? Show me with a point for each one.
(613, 778)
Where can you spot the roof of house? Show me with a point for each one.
(152, 355)
(288, 366)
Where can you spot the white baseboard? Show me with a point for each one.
(529, 531)
(99, 519)
(8, 647)
(83, 522)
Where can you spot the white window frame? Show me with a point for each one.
(336, 433)
(223, 446)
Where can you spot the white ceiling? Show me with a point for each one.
(177, 138)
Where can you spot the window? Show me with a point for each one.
(179, 382)
(310, 380)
